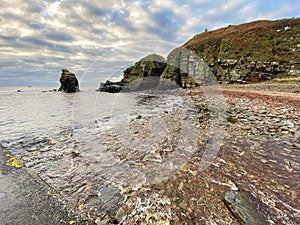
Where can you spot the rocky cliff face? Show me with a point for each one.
(250, 52)
(247, 53)
(68, 81)
(187, 69)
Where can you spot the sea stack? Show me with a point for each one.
(68, 81)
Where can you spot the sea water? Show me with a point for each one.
(113, 133)
(28, 113)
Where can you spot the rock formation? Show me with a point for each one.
(68, 81)
(144, 74)
(187, 69)
(246, 53)
(243, 209)
(150, 66)
(250, 52)
(112, 87)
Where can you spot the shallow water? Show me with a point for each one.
(122, 136)
(36, 112)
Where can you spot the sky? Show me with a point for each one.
(98, 39)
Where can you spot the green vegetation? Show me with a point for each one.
(265, 47)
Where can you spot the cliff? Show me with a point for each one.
(246, 53)
(250, 52)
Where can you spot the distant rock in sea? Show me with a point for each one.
(68, 81)
(111, 87)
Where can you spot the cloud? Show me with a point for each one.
(97, 39)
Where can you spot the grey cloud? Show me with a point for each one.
(36, 41)
(36, 25)
(8, 38)
(58, 36)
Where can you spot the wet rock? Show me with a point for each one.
(294, 165)
(110, 196)
(297, 134)
(290, 124)
(104, 221)
(68, 81)
(121, 215)
(243, 209)
(111, 87)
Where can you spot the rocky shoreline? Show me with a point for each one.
(135, 184)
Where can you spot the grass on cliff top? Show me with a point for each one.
(255, 41)
(240, 30)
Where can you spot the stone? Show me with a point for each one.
(290, 123)
(110, 196)
(68, 81)
(199, 62)
(150, 66)
(244, 62)
(294, 165)
(105, 221)
(111, 87)
(121, 215)
(297, 134)
(243, 209)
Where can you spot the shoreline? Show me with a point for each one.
(259, 156)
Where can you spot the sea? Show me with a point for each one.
(39, 125)
(34, 112)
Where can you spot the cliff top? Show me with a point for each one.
(240, 30)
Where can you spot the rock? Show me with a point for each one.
(294, 165)
(290, 123)
(150, 66)
(121, 215)
(297, 134)
(68, 81)
(243, 209)
(105, 221)
(110, 197)
(210, 56)
(186, 69)
(250, 60)
(111, 87)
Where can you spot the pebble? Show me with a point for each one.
(121, 215)
(254, 133)
(297, 134)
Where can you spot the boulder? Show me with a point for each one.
(243, 209)
(68, 81)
